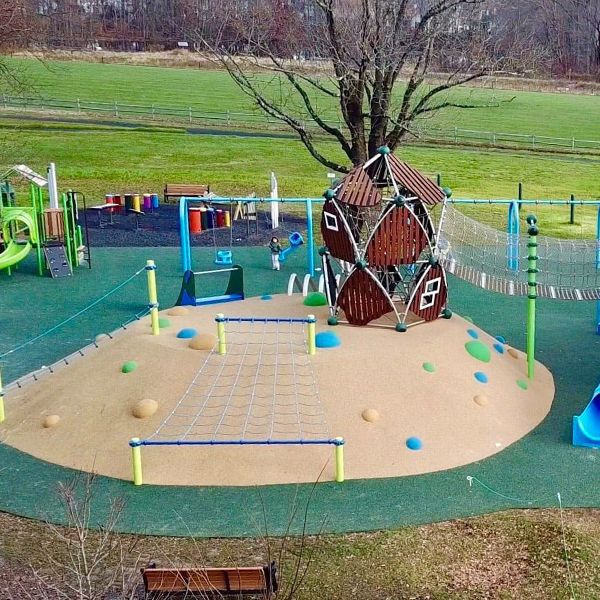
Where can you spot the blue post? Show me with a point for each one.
(184, 236)
(598, 268)
(310, 236)
(513, 230)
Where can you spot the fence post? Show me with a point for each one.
(152, 296)
(221, 333)
(573, 144)
(455, 134)
(190, 113)
(78, 106)
(572, 210)
(4, 100)
(116, 109)
(136, 458)
(533, 141)
(339, 459)
(311, 341)
(228, 118)
(153, 112)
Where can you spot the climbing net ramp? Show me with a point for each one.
(256, 387)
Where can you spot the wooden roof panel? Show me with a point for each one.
(357, 189)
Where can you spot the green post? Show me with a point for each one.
(2, 416)
(520, 197)
(66, 226)
(531, 292)
(572, 210)
(339, 459)
(311, 342)
(38, 209)
(136, 456)
(152, 296)
(439, 179)
(221, 333)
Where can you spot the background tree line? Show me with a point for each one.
(558, 37)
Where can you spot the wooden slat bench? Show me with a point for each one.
(210, 582)
(176, 190)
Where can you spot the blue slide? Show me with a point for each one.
(296, 240)
(586, 426)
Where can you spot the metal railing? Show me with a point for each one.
(196, 116)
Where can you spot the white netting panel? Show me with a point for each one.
(497, 260)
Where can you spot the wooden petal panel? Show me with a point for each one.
(335, 235)
(431, 293)
(362, 300)
(398, 240)
(414, 181)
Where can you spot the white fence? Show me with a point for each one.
(195, 116)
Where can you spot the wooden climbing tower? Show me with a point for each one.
(376, 225)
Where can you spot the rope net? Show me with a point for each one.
(497, 261)
(263, 390)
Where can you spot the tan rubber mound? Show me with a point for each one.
(420, 384)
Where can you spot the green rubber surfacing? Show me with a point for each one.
(527, 474)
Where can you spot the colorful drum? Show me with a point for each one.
(227, 215)
(220, 218)
(136, 205)
(109, 199)
(204, 217)
(147, 202)
(210, 218)
(155, 201)
(117, 200)
(195, 218)
(128, 201)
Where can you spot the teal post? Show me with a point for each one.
(532, 272)
(513, 234)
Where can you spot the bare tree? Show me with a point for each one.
(379, 52)
(85, 564)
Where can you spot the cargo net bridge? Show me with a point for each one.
(257, 387)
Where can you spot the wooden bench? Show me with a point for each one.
(176, 190)
(210, 582)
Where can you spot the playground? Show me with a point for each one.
(458, 424)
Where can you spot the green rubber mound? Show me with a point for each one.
(315, 299)
(162, 322)
(429, 367)
(478, 350)
(129, 366)
(522, 384)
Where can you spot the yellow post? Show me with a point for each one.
(312, 327)
(152, 296)
(339, 459)
(136, 455)
(221, 333)
(2, 417)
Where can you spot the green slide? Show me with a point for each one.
(13, 254)
(14, 251)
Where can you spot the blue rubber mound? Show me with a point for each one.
(266, 297)
(327, 339)
(473, 334)
(501, 339)
(414, 443)
(586, 426)
(188, 333)
(481, 377)
(499, 348)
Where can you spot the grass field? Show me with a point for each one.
(541, 114)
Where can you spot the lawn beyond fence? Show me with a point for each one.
(252, 120)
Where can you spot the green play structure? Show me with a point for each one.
(52, 232)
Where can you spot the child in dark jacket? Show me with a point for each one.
(275, 248)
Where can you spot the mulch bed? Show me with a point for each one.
(161, 228)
